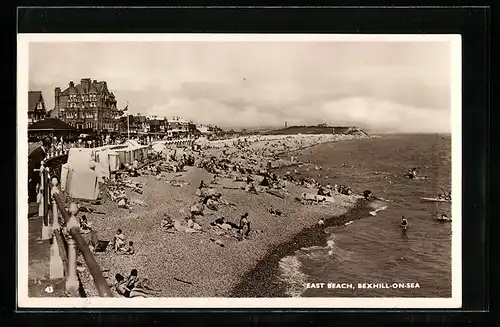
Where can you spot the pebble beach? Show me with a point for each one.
(208, 263)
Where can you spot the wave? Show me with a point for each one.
(374, 212)
(291, 267)
(291, 273)
(292, 276)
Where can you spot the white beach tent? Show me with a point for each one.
(201, 141)
(159, 146)
(79, 176)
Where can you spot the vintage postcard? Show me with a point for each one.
(239, 171)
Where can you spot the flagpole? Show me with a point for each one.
(128, 122)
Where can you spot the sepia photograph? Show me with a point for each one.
(232, 170)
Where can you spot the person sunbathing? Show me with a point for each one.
(132, 279)
(121, 286)
(252, 189)
(445, 196)
(129, 250)
(119, 241)
(324, 191)
(85, 226)
(139, 287)
(202, 185)
(265, 182)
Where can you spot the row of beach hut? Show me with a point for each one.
(85, 167)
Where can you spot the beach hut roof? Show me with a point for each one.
(134, 144)
(50, 124)
(131, 142)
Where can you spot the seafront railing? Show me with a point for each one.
(66, 239)
(63, 148)
(180, 142)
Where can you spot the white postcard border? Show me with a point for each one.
(22, 197)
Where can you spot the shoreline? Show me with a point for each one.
(261, 281)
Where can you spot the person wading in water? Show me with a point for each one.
(404, 224)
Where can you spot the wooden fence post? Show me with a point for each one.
(42, 205)
(40, 192)
(72, 279)
(56, 262)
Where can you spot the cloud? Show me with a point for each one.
(397, 86)
(370, 113)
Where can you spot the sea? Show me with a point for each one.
(371, 250)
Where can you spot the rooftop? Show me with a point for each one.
(87, 86)
(33, 98)
(52, 124)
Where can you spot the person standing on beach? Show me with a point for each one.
(244, 229)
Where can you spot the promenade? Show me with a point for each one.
(39, 261)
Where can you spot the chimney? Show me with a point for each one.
(71, 84)
(85, 81)
(95, 81)
(57, 94)
(285, 124)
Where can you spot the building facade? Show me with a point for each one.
(178, 127)
(155, 124)
(140, 124)
(36, 107)
(89, 105)
(204, 129)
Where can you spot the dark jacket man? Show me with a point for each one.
(35, 159)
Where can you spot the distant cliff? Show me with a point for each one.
(320, 129)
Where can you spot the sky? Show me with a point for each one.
(379, 86)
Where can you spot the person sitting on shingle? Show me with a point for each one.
(119, 241)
